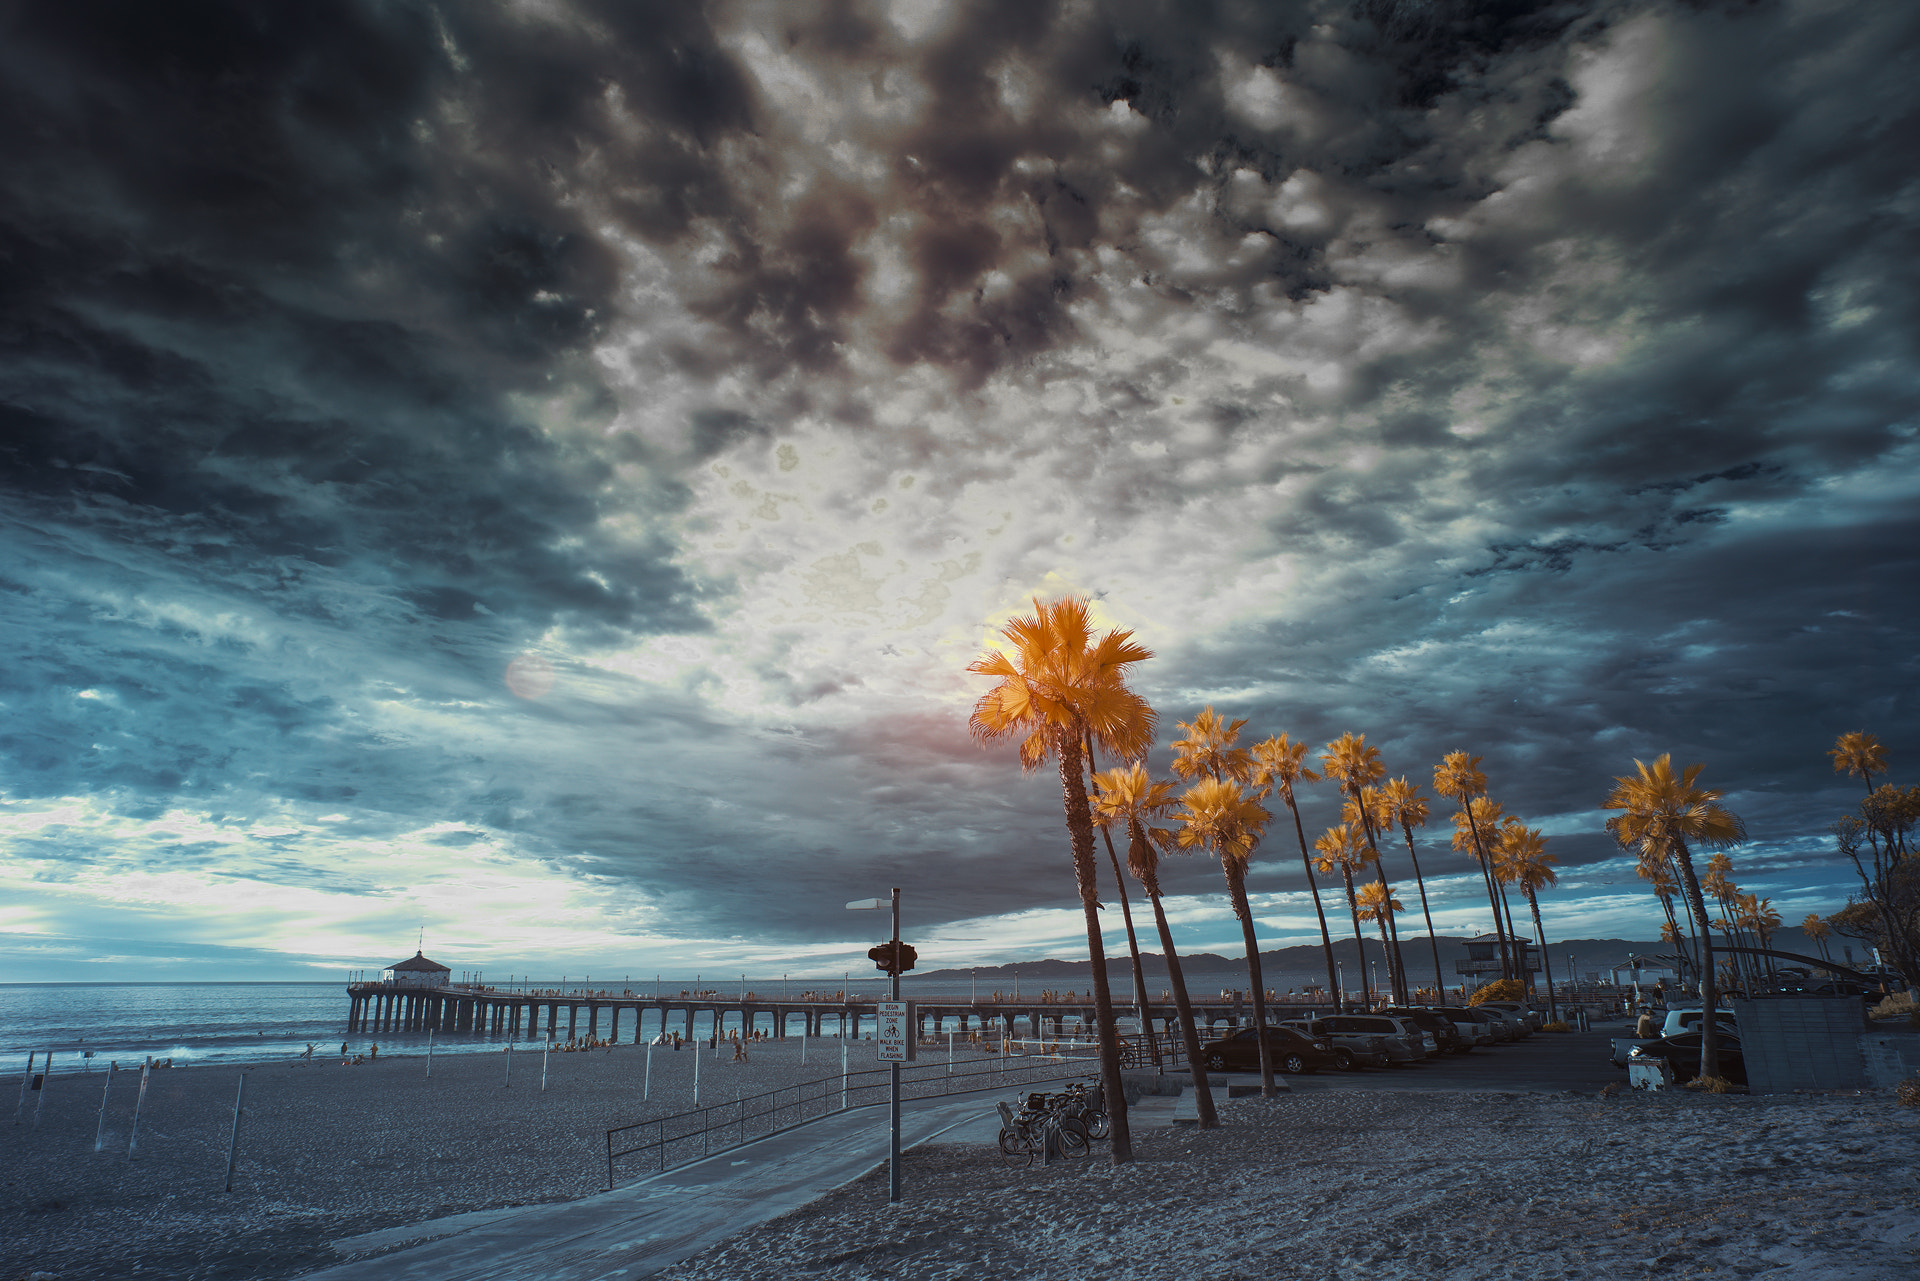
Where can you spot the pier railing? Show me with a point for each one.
(669, 1142)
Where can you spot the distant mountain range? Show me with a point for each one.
(1589, 956)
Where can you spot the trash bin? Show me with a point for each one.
(1645, 1073)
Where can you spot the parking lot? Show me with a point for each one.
(1543, 1062)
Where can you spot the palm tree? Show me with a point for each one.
(1341, 850)
(1719, 882)
(1218, 816)
(1523, 850)
(1667, 812)
(1859, 753)
(1349, 762)
(1277, 765)
(1371, 808)
(1056, 685)
(1408, 808)
(1126, 915)
(1125, 796)
(1652, 866)
(1377, 904)
(1209, 749)
(1819, 931)
(1458, 778)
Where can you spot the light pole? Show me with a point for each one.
(1340, 977)
(893, 1073)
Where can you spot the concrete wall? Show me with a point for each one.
(1803, 1043)
(1891, 1056)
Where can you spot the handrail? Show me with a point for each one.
(750, 1122)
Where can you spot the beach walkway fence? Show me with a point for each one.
(668, 1142)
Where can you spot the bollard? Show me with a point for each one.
(25, 1081)
(696, 1075)
(429, 1054)
(949, 1053)
(843, 1074)
(646, 1089)
(509, 1084)
(139, 1102)
(233, 1144)
(46, 1083)
(545, 1056)
(100, 1130)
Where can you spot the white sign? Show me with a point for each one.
(895, 1037)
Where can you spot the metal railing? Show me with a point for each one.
(687, 1137)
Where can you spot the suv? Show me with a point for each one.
(1446, 1034)
(1354, 1048)
(1409, 1033)
(1497, 1025)
(1289, 1050)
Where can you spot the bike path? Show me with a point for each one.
(642, 1227)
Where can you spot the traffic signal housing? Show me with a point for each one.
(893, 958)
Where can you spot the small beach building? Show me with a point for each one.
(417, 971)
(1483, 957)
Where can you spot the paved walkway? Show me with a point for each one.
(642, 1227)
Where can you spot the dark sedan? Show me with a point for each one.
(1289, 1051)
(1682, 1053)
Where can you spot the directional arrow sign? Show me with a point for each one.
(895, 1038)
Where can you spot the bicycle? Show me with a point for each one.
(1029, 1131)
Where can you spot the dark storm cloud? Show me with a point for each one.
(1565, 352)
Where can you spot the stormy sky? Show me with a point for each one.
(537, 472)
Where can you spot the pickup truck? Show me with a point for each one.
(1677, 1022)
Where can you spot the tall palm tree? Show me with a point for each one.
(1127, 797)
(1341, 849)
(1278, 764)
(1658, 808)
(1859, 753)
(1055, 685)
(1348, 761)
(1819, 931)
(1719, 883)
(1524, 852)
(1652, 866)
(1377, 904)
(1371, 808)
(1408, 808)
(1458, 778)
(1216, 815)
(1126, 915)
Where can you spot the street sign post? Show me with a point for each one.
(895, 1037)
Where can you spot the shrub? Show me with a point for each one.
(1556, 1025)
(1711, 1084)
(1908, 1092)
(1499, 990)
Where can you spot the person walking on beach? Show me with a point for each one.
(309, 1053)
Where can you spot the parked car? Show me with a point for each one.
(1447, 1035)
(1512, 1011)
(1473, 1031)
(1532, 1018)
(1678, 1021)
(1288, 1049)
(1501, 1027)
(1682, 1053)
(1352, 1048)
(1405, 1031)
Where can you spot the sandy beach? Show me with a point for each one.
(1322, 1184)
(328, 1152)
(1394, 1187)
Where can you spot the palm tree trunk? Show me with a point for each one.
(1533, 902)
(1080, 829)
(1439, 979)
(1359, 940)
(1126, 914)
(1189, 1033)
(1709, 1025)
(1237, 887)
(1326, 938)
(1486, 874)
(1521, 970)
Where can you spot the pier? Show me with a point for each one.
(551, 1015)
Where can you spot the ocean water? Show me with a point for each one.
(88, 1025)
